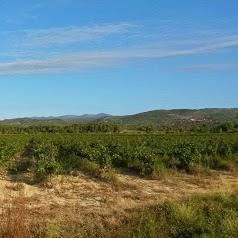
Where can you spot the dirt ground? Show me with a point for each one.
(80, 197)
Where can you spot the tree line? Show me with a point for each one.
(118, 128)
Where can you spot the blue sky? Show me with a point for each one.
(62, 57)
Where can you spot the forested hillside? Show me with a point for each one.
(179, 116)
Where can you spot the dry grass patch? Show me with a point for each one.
(72, 202)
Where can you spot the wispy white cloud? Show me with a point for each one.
(37, 43)
(71, 35)
(90, 60)
(210, 67)
(45, 51)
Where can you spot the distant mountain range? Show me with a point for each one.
(55, 120)
(74, 118)
(162, 117)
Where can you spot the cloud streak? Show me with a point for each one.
(71, 35)
(208, 67)
(49, 51)
(38, 43)
(91, 60)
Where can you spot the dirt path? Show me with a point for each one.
(78, 197)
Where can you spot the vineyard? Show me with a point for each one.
(147, 155)
(118, 185)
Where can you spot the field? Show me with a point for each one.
(101, 185)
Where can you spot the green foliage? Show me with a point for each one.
(148, 155)
(222, 164)
(45, 164)
(89, 167)
(227, 126)
(187, 153)
(36, 127)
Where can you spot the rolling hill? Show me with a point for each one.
(157, 117)
(179, 116)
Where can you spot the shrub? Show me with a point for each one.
(45, 163)
(89, 167)
(224, 164)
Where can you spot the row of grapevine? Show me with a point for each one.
(60, 153)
